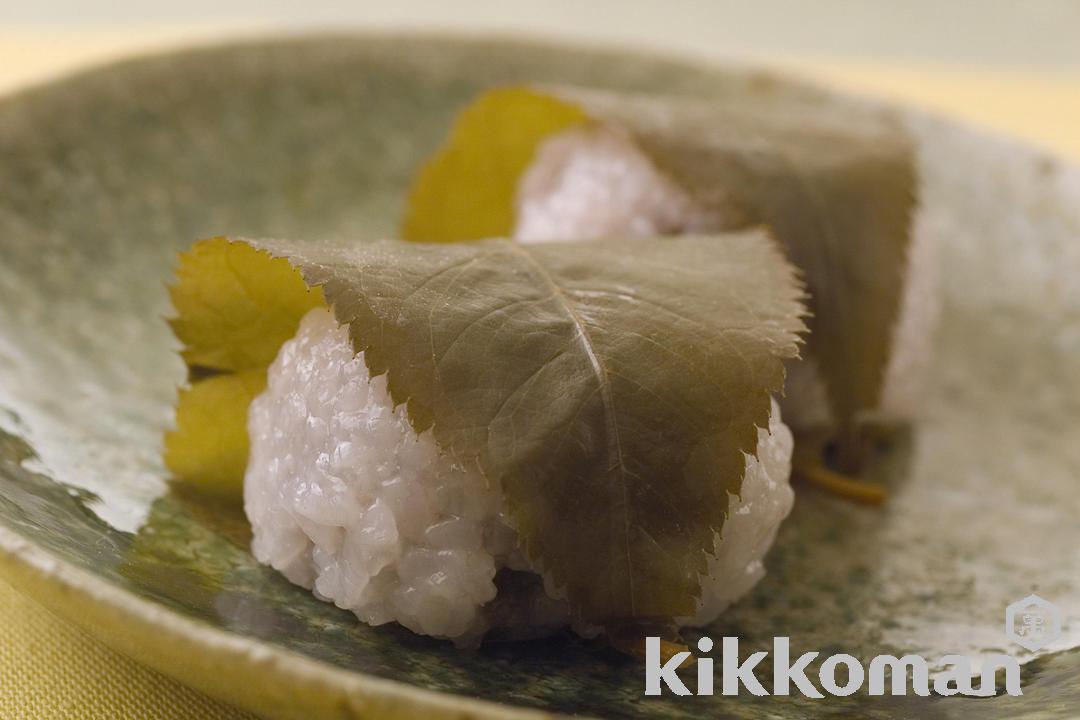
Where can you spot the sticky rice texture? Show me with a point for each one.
(592, 183)
(753, 520)
(346, 499)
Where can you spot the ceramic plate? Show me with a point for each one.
(106, 175)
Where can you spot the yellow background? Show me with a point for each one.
(48, 669)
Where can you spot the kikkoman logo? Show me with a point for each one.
(1032, 622)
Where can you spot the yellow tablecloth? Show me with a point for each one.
(51, 670)
(48, 669)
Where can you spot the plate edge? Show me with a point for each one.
(268, 681)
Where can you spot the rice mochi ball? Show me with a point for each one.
(346, 499)
(593, 182)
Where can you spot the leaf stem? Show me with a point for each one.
(631, 641)
(834, 483)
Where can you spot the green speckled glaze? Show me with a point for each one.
(105, 176)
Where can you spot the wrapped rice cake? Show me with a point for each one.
(496, 438)
(834, 182)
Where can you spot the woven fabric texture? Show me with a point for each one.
(50, 670)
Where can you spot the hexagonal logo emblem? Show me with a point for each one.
(1033, 622)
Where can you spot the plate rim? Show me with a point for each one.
(228, 666)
